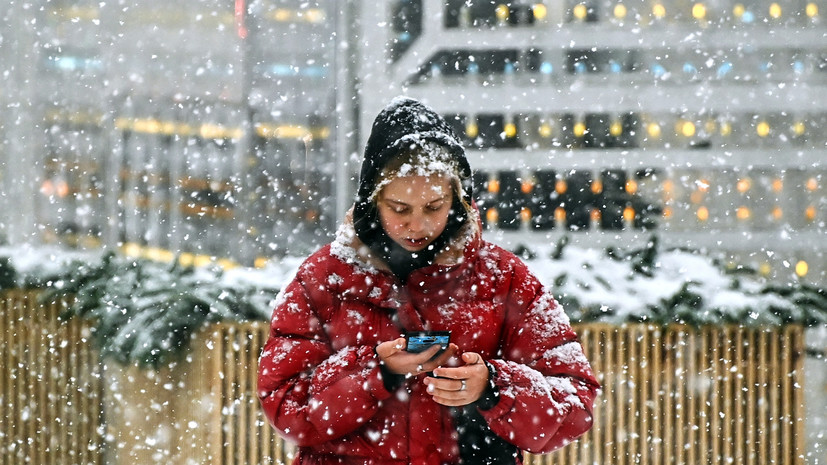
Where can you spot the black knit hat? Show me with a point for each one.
(403, 124)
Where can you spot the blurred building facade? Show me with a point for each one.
(198, 126)
(609, 121)
(233, 129)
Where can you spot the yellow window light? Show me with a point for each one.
(560, 214)
(811, 184)
(158, 254)
(131, 249)
(540, 11)
(738, 10)
(703, 214)
(595, 215)
(616, 128)
(282, 14)
(653, 129)
(471, 129)
(710, 126)
(202, 261)
(169, 128)
(743, 213)
(703, 185)
(811, 10)
(686, 128)
(186, 259)
(525, 214)
(764, 269)
(668, 188)
(315, 15)
(777, 213)
(777, 185)
(494, 186)
(272, 131)
(726, 128)
(47, 188)
(147, 126)
(631, 186)
(216, 131)
(545, 130)
(311, 215)
(743, 185)
(799, 128)
(561, 186)
(526, 186)
(810, 213)
(658, 10)
(620, 11)
(502, 12)
(580, 11)
(775, 11)
(579, 129)
(762, 129)
(667, 212)
(227, 264)
(802, 268)
(629, 214)
(492, 215)
(597, 186)
(510, 130)
(699, 11)
(122, 123)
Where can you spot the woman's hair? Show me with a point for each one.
(424, 158)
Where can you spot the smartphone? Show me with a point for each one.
(422, 340)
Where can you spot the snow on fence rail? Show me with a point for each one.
(674, 395)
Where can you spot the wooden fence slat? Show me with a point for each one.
(785, 405)
(796, 334)
(668, 398)
(608, 373)
(712, 394)
(727, 435)
(737, 395)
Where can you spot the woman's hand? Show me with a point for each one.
(396, 359)
(462, 385)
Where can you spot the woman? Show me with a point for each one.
(335, 376)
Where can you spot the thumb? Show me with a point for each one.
(389, 348)
(471, 358)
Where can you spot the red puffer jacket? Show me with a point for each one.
(319, 378)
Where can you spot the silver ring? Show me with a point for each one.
(419, 368)
(463, 385)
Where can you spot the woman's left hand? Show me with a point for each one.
(457, 386)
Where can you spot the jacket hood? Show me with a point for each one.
(403, 124)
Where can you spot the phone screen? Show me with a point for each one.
(419, 341)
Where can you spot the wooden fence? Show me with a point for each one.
(50, 386)
(719, 395)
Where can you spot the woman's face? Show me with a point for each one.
(414, 210)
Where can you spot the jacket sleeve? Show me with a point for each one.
(543, 377)
(309, 392)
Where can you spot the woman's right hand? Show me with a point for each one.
(398, 360)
